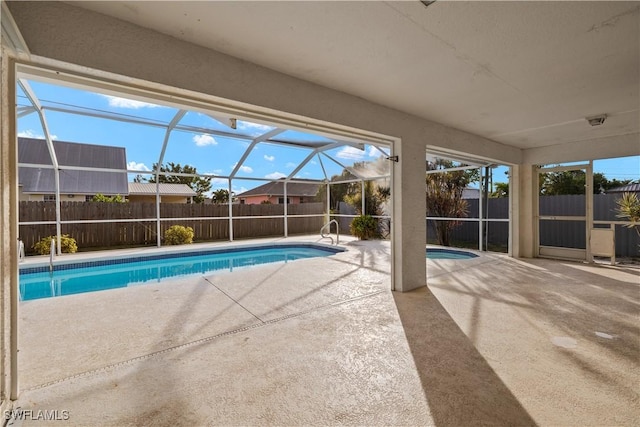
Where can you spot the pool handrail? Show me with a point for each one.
(20, 250)
(52, 251)
(328, 225)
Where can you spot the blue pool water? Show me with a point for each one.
(100, 275)
(449, 254)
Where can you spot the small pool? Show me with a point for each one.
(74, 278)
(449, 254)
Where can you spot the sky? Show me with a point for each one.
(209, 154)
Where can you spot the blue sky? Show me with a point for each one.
(210, 154)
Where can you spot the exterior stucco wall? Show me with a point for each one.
(40, 197)
(152, 199)
(597, 148)
(9, 235)
(255, 200)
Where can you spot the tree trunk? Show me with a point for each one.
(442, 231)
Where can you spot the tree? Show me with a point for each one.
(220, 196)
(502, 190)
(198, 184)
(629, 209)
(374, 197)
(338, 190)
(573, 182)
(108, 199)
(565, 182)
(444, 196)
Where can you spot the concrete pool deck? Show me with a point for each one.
(323, 341)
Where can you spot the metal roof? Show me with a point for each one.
(629, 188)
(149, 189)
(40, 180)
(276, 188)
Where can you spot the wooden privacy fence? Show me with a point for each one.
(139, 221)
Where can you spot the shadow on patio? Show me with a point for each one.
(460, 386)
(562, 336)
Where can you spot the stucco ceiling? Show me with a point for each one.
(521, 73)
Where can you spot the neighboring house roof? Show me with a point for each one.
(629, 188)
(276, 188)
(471, 193)
(41, 181)
(149, 189)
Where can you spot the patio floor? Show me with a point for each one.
(323, 341)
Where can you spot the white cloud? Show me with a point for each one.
(269, 158)
(204, 140)
(252, 127)
(217, 183)
(374, 152)
(137, 166)
(214, 172)
(351, 153)
(30, 133)
(245, 169)
(291, 165)
(115, 101)
(238, 190)
(275, 175)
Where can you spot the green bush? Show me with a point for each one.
(67, 243)
(178, 235)
(108, 199)
(364, 227)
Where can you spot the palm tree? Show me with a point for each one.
(220, 196)
(629, 208)
(444, 196)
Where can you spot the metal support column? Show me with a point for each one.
(230, 213)
(286, 210)
(54, 159)
(480, 216)
(176, 119)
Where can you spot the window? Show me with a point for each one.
(281, 200)
(49, 197)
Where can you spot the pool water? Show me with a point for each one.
(101, 275)
(449, 254)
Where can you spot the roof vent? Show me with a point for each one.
(596, 120)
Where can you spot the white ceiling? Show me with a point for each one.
(521, 73)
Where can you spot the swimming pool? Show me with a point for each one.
(80, 277)
(449, 254)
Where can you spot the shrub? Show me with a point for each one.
(108, 199)
(67, 243)
(178, 235)
(364, 227)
